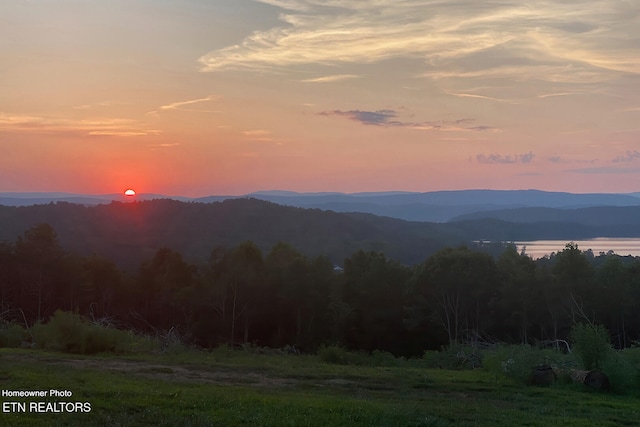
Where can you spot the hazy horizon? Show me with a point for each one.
(236, 96)
(37, 193)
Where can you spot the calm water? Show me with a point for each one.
(539, 248)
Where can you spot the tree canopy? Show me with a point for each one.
(282, 297)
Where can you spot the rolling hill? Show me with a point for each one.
(605, 221)
(129, 233)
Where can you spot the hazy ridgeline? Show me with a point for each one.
(280, 296)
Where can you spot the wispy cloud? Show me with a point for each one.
(557, 159)
(376, 118)
(123, 132)
(573, 74)
(18, 120)
(180, 104)
(87, 127)
(551, 41)
(92, 106)
(262, 135)
(629, 156)
(389, 118)
(505, 159)
(331, 79)
(551, 95)
(488, 98)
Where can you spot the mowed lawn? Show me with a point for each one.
(233, 388)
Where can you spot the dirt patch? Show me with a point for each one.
(204, 373)
(167, 372)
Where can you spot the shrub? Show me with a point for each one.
(591, 345)
(339, 356)
(383, 358)
(455, 356)
(622, 377)
(98, 339)
(222, 351)
(631, 355)
(11, 335)
(71, 333)
(623, 370)
(140, 343)
(518, 361)
(333, 354)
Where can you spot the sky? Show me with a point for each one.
(228, 97)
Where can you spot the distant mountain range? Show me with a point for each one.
(437, 206)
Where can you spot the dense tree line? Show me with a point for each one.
(282, 297)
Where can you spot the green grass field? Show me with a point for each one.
(233, 388)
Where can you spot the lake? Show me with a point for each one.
(621, 246)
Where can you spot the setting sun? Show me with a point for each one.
(129, 192)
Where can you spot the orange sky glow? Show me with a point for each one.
(226, 97)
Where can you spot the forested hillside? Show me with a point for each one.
(128, 233)
(610, 221)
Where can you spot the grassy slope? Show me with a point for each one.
(232, 388)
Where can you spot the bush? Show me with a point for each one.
(98, 339)
(455, 356)
(632, 356)
(63, 332)
(591, 345)
(140, 343)
(339, 356)
(11, 335)
(333, 354)
(222, 351)
(622, 377)
(623, 370)
(518, 361)
(71, 333)
(383, 358)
